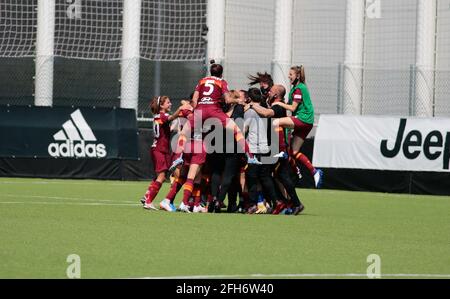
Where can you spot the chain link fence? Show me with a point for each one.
(87, 63)
(17, 87)
(442, 75)
(389, 82)
(176, 80)
(17, 36)
(442, 94)
(249, 29)
(88, 47)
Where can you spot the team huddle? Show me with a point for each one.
(240, 145)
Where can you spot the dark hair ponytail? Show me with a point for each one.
(261, 78)
(216, 70)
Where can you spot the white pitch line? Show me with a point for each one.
(63, 198)
(68, 203)
(121, 183)
(296, 275)
(376, 194)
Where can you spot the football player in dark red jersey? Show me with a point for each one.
(180, 173)
(160, 153)
(206, 100)
(189, 174)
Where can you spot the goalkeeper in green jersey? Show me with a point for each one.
(301, 121)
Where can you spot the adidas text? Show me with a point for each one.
(77, 149)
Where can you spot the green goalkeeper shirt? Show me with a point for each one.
(305, 110)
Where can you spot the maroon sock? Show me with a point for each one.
(153, 190)
(188, 188)
(196, 193)
(176, 186)
(305, 161)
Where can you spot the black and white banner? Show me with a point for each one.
(382, 143)
(64, 132)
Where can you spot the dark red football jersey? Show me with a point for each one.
(211, 90)
(161, 130)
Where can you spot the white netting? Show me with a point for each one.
(249, 29)
(18, 20)
(172, 30)
(92, 29)
(390, 41)
(442, 95)
(389, 53)
(318, 45)
(88, 29)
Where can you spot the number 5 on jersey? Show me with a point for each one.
(210, 85)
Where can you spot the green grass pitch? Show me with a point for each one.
(42, 222)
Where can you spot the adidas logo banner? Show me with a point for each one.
(83, 133)
(77, 139)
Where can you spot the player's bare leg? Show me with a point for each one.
(153, 190)
(298, 156)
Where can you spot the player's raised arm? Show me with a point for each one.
(291, 107)
(195, 99)
(176, 114)
(264, 112)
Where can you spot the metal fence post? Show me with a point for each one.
(412, 89)
(339, 90)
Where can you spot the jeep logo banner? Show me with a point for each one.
(383, 143)
(62, 132)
